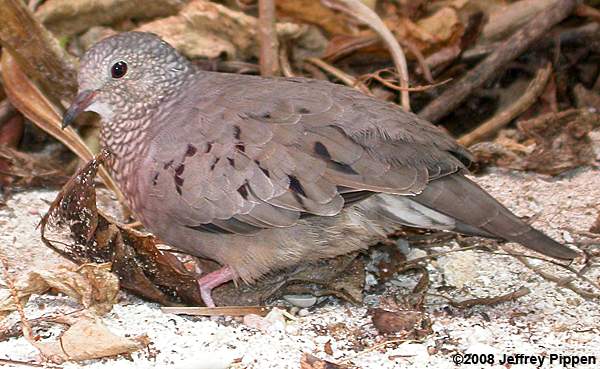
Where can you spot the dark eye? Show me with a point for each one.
(119, 69)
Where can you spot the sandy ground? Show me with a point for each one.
(550, 320)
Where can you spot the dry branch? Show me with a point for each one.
(488, 128)
(341, 75)
(506, 52)
(511, 296)
(267, 38)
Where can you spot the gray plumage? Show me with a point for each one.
(259, 174)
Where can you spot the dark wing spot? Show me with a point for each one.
(231, 161)
(178, 189)
(210, 228)
(214, 164)
(178, 181)
(321, 150)
(265, 171)
(296, 186)
(240, 147)
(191, 150)
(266, 115)
(168, 164)
(243, 191)
(179, 170)
(209, 146)
(344, 168)
(155, 178)
(236, 132)
(303, 111)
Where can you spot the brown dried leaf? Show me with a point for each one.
(314, 12)
(551, 143)
(24, 170)
(93, 285)
(407, 324)
(439, 30)
(203, 29)
(89, 339)
(134, 257)
(309, 361)
(561, 139)
(68, 17)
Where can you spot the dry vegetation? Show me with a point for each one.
(518, 82)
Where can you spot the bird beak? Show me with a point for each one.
(79, 105)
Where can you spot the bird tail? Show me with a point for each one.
(456, 203)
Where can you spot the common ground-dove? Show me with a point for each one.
(260, 174)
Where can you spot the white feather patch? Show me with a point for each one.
(411, 213)
(103, 109)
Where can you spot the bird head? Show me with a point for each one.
(124, 76)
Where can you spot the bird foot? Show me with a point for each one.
(211, 280)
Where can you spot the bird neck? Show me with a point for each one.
(127, 142)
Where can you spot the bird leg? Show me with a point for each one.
(211, 280)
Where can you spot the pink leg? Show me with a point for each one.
(211, 280)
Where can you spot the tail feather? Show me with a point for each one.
(456, 203)
(476, 212)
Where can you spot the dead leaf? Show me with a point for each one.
(89, 339)
(67, 17)
(92, 285)
(25, 170)
(134, 257)
(561, 140)
(314, 12)
(309, 361)
(204, 29)
(551, 143)
(403, 323)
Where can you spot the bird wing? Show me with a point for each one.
(245, 153)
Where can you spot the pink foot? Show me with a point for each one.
(211, 280)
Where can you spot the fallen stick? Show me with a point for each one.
(493, 125)
(267, 36)
(511, 296)
(218, 311)
(510, 49)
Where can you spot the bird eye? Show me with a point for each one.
(119, 69)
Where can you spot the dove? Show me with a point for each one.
(260, 174)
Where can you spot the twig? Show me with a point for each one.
(27, 331)
(284, 62)
(423, 66)
(508, 51)
(363, 13)
(511, 296)
(376, 347)
(267, 36)
(534, 90)
(560, 281)
(587, 11)
(219, 310)
(341, 75)
(377, 76)
(28, 363)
